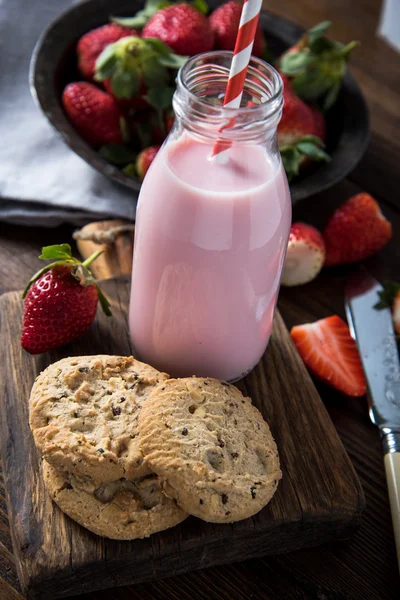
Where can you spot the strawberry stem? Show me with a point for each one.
(92, 258)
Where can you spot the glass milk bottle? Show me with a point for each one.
(212, 232)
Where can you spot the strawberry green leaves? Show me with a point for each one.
(142, 16)
(317, 65)
(201, 6)
(388, 295)
(56, 252)
(309, 146)
(161, 100)
(117, 154)
(132, 63)
(62, 255)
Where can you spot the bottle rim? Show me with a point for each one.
(268, 76)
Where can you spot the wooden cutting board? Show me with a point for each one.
(318, 500)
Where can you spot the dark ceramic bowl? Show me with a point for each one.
(53, 65)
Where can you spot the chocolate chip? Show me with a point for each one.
(253, 491)
(221, 443)
(100, 450)
(116, 410)
(258, 425)
(184, 431)
(83, 369)
(205, 382)
(228, 512)
(163, 388)
(224, 498)
(257, 483)
(122, 399)
(109, 392)
(201, 501)
(235, 454)
(76, 414)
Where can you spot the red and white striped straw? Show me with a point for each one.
(240, 61)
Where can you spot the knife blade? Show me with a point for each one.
(376, 341)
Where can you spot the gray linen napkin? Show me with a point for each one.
(42, 181)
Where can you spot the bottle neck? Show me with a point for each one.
(198, 100)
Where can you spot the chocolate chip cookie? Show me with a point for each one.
(211, 447)
(120, 510)
(84, 415)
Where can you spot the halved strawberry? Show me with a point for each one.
(330, 352)
(305, 255)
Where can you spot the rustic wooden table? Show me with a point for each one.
(365, 567)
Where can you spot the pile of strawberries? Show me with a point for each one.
(123, 105)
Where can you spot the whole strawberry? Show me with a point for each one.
(300, 134)
(317, 65)
(305, 255)
(145, 159)
(355, 231)
(182, 28)
(224, 22)
(94, 114)
(60, 301)
(92, 44)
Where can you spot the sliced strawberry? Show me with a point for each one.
(305, 255)
(330, 352)
(356, 231)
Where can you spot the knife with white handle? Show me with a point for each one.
(374, 334)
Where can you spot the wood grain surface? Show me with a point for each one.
(319, 499)
(365, 568)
